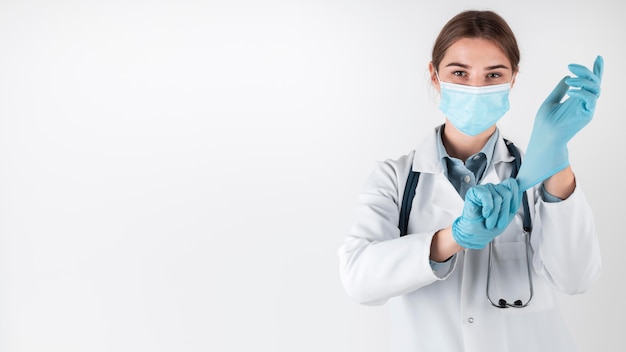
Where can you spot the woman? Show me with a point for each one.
(436, 278)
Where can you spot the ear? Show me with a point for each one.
(433, 76)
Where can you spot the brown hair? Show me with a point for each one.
(477, 24)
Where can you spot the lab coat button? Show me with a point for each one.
(470, 320)
(466, 179)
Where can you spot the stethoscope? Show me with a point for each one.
(527, 228)
(405, 210)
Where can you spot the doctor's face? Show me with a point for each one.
(473, 62)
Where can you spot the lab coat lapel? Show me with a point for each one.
(426, 161)
(498, 170)
(445, 197)
(491, 176)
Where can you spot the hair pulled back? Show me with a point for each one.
(477, 24)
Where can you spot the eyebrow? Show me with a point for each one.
(467, 66)
(457, 64)
(496, 66)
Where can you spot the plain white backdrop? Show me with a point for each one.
(178, 175)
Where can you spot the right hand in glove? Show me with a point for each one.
(488, 211)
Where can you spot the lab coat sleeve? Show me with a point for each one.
(375, 262)
(567, 251)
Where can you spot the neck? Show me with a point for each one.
(461, 146)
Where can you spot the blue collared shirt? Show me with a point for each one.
(465, 174)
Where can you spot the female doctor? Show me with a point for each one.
(467, 277)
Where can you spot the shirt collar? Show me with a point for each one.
(487, 149)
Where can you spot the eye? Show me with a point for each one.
(459, 73)
(494, 75)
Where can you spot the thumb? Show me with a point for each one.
(478, 203)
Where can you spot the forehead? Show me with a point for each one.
(475, 52)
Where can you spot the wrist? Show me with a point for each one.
(443, 245)
(561, 184)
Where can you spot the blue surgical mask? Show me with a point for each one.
(473, 110)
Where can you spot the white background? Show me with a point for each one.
(178, 176)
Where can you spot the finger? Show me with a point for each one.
(516, 194)
(588, 99)
(583, 72)
(585, 84)
(598, 67)
(558, 92)
(491, 217)
(484, 199)
(478, 202)
(473, 204)
(503, 215)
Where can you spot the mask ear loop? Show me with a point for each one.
(512, 80)
(434, 90)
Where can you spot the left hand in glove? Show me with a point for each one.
(557, 122)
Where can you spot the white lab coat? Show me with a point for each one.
(448, 310)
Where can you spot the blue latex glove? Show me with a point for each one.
(488, 211)
(557, 122)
